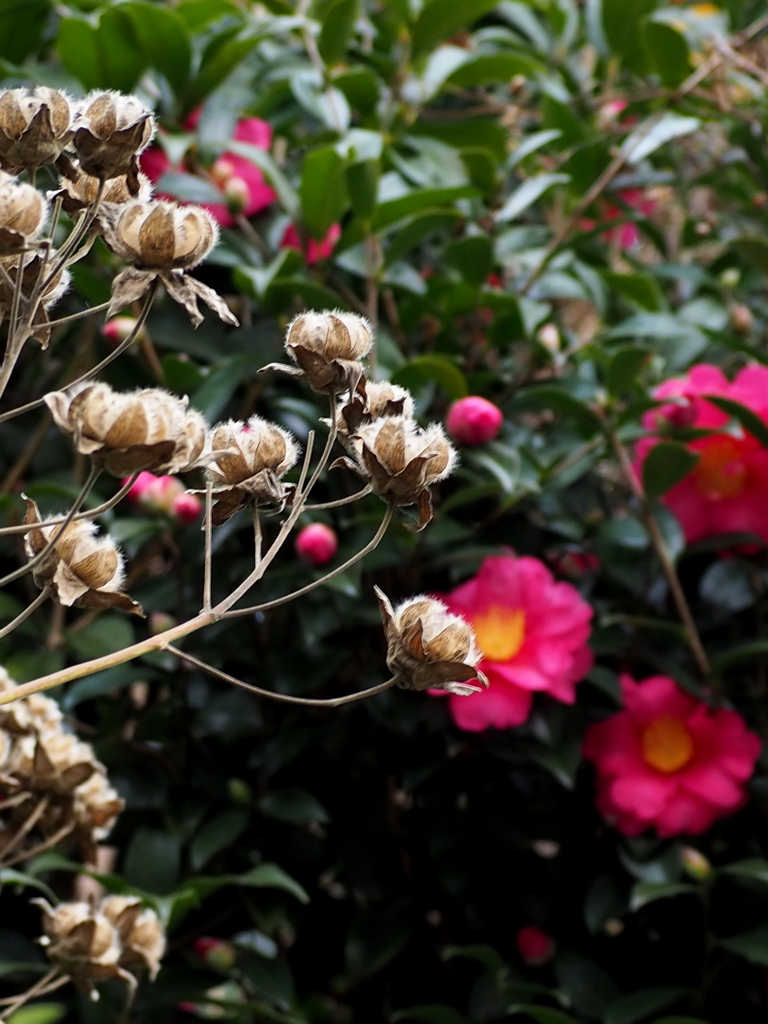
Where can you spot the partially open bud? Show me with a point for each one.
(119, 328)
(217, 954)
(695, 864)
(80, 569)
(327, 348)
(35, 126)
(22, 214)
(401, 461)
(161, 235)
(110, 130)
(236, 195)
(141, 934)
(254, 457)
(430, 648)
(125, 433)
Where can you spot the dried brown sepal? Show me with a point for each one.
(79, 191)
(53, 761)
(429, 648)
(22, 214)
(81, 570)
(35, 126)
(126, 433)
(370, 401)
(132, 284)
(32, 266)
(110, 130)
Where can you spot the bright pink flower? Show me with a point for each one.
(165, 494)
(626, 236)
(473, 420)
(317, 544)
(534, 946)
(312, 249)
(250, 130)
(727, 490)
(668, 761)
(186, 508)
(533, 633)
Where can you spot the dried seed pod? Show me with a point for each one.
(81, 570)
(401, 461)
(430, 648)
(22, 214)
(327, 348)
(110, 130)
(370, 401)
(160, 235)
(31, 267)
(254, 457)
(125, 433)
(96, 808)
(35, 126)
(53, 761)
(80, 191)
(141, 934)
(82, 943)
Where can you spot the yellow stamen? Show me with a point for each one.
(500, 632)
(666, 744)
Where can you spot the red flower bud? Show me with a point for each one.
(317, 544)
(473, 420)
(535, 946)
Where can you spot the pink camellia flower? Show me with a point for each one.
(229, 167)
(533, 635)
(165, 494)
(727, 490)
(626, 236)
(317, 544)
(534, 946)
(668, 761)
(473, 420)
(311, 248)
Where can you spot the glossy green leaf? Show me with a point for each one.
(754, 869)
(622, 24)
(540, 1014)
(668, 52)
(527, 194)
(644, 893)
(104, 52)
(440, 19)
(216, 836)
(296, 806)
(473, 257)
(323, 190)
(752, 945)
(362, 182)
(337, 24)
(626, 364)
(422, 369)
(638, 1006)
(39, 1013)
(163, 37)
(654, 133)
(749, 420)
(665, 465)
(21, 28)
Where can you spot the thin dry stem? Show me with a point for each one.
(41, 987)
(44, 594)
(88, 514)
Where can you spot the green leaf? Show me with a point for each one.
(431, 1015)
(164, 39)
(104, 635)
(624, 367)
(219, 61)
(668, 52)
(296, 806)
(755, 250)
(622, 21)
(641, 289)
(152, 860)
(338, 20)
(483, 954)
(323, 190)
(473, 257)
(216, 836)
(39, 1013)
(443, 18)
(21, 28)
(752, 945)
(423, 369)
(749, 420)
(728, 585)
(188, 188)
(492, 67)
(638, 1005)
(653, 133)
(541, 1014)
(527, 194)
(9, 876)
(362, 183)
(644, 893)
(754, 869)
(557, 399)
(666, 464)
(740, 652)
(105, 53)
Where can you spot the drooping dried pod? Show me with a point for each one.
(126, 433)
(430, 648)
(110, 130)
(32, 266)
(22, 214)
(327, 348)
(80, 191)
(35, 126)
(162, 240)
(80, 569)
(141, 934)
(82, 943)
(401, 461)
(255, 455)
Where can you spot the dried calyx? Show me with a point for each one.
(79, 569)
(327, 348)
(35, 126)
(79, 191)
(116, 939)
(22, 214)
(125, 433)
(110, 130)
(370, 401)
(430, 648)
(254, 456)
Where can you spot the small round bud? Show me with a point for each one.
(119, 328)
(730, 277)
(534, 946)
(236, 195)
(474, 420)
(742, 320)
(222, 170)
(695, 864)
(186, 508)
(239, 791)
(317, 544)
(218, 955)
(549, 337)
(159, 622)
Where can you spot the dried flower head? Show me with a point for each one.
(254, 457)
(327, 347)
(96, 807)
(401, 461)
(370, 401)
(428, 647)
(31, 266)
(141, 934)
(125, 433)
(35, 126)
(80, 569)
(22, 214)
(110, 130)
(79, 191)
(82, 943)
(53, 761)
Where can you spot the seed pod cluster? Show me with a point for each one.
(116, 939)
(254, 456)
(126, 433)
(51, 783)
(430, 648)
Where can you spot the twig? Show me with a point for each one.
(44, 594)
(208, 555)
(39, 988)
(6, 531)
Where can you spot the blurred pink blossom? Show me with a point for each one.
(535, 946)
(317, 544)
(473, 420)
(166, 495)
(311, 248)
(668, 761)
(627, 235)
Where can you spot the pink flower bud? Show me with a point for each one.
(535, 946)
(222, 170)
(473, 420)
(118, 329)
(695, 864)
(236, 195)
(186, 508)
(317, 544)
(218, 954)
(159, 622)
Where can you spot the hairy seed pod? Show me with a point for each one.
(35, 126)
(161, 235)
(110, 130)
(22, 214)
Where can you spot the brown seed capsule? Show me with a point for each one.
(429, 648)
(78, 192)
(125, 433)
(254, 457)
(371, 401)
(110, 130)
(81, 942)
(35, 126)
(96, 808)
(80, 569)
(53, 761)
(141, 934)
(327, 348)
(161, 235)
(31, 267)
(22, 214)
